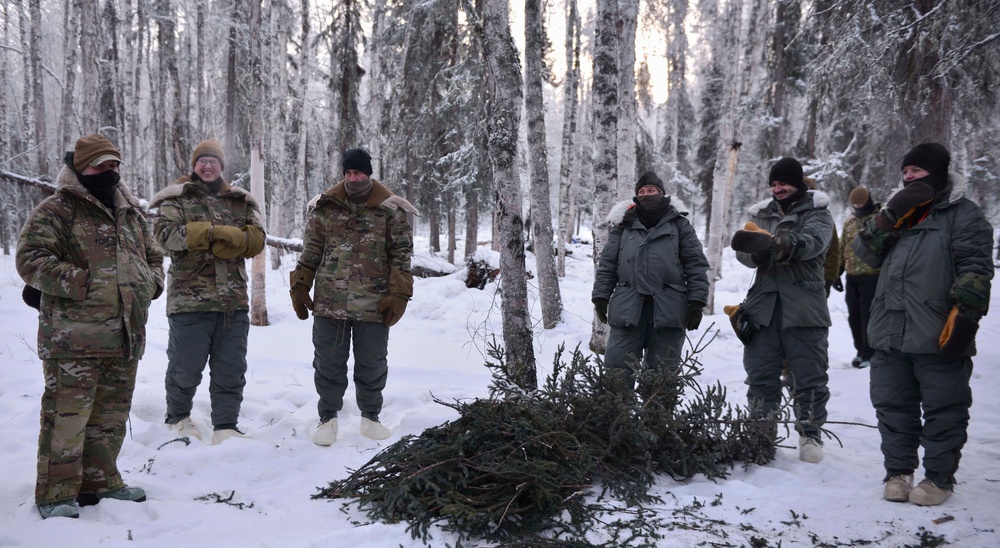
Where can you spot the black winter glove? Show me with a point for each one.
(752, 239)
(904, 202)
(958, 333)
(601, 309)
(694, 314)
(31, 297)
(838, 285)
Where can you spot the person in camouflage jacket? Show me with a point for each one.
(89, 252)
(357, 248)
(934, 248)
(786, 241)
(861, 278)
(209, 228)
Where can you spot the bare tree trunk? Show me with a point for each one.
(501, 54)
(728, 154)
(571, 86)
(300, 180)
(605, 108)
(107, 67)
(232, 93)
(37, 89)
(628, 12)
(199, 76)
(90, 52)
(258, 298)
(541, 199)
(452, 221)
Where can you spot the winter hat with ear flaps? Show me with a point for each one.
(788, 171)
(93, 150)
(210, 148)
(933, 158)
(647, 179)
(358, 159)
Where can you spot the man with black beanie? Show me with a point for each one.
(934, 248)
(357, 248)
(786, 240)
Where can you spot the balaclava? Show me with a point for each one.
(933, 158)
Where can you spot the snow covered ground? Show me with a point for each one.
(256, 491)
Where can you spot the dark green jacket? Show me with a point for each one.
(798, 278)
(941, 261)
(666, 263)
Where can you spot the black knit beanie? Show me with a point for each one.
(933, 158)
(358, 159)
(649, 179)
(788, 171)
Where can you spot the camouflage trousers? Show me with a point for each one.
(84, 409)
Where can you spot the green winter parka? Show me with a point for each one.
(943, 260)
(98, 271)
(353, 247)
(798, 277)
(199, 280)
(666, 262)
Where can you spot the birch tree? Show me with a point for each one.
(571, 87)
(535, 44)
(37, 88)
(628, 13)
(501, 56)
(258, 298)
(605, 130)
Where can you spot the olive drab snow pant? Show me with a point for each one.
(804, 350)
(220, 339)
(332, 347)
(902, 383)
(85, 406)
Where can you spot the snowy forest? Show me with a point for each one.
(535, 117)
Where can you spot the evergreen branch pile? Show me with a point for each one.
(519, 464)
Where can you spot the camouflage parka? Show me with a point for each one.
(97, 271)
(849, 260)
(353, 247)
(797, 278)
(943, 260)
(200, 281)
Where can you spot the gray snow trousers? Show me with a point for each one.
(220, 339)
(332, 347)
(804, 351)
(626, 345)
(900, 384)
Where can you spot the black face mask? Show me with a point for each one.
(213, 186)
(102, 185)
(936, 182)
(651, 208)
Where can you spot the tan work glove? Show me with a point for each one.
(255, 241)
(301, 280)
(228, 242)
(393, 306)
(199, 235)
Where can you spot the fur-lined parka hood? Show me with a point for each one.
(184, 184)
(380, 196)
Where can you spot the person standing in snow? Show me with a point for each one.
(357, 248)
(89, 253)
(786, 241)
(934, 248)
(861, 278)
(651, 282)
(209, 228)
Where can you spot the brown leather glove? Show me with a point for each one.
(958, 333)
(392, 308)
(199, 235)
(301, 280)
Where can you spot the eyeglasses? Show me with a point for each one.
(207, 162)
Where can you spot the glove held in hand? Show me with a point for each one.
(199, 235)
(695, 312)
(392, 308)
